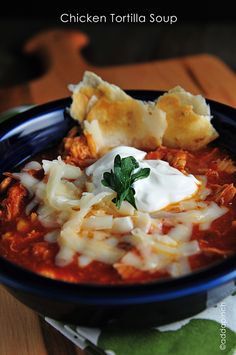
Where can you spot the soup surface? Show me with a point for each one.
(60, 219)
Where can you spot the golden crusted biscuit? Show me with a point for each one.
(111, 118)
(188, 120)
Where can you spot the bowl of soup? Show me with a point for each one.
(119, 206)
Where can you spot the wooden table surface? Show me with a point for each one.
(22, 331)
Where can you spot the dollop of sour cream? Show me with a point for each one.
(165, 185)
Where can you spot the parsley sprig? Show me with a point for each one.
(121, 180)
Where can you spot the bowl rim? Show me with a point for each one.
(13, 275)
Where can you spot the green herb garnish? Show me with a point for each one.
(122, 178)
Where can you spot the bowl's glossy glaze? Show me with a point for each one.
(153, 303)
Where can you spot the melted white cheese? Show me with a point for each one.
(89, 223)
(165, 185)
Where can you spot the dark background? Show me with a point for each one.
(200, 29)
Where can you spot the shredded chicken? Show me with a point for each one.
(178, 160)
(14, 202)
(223, 195)
(212, 175)
(5, 184)
(128, 271)
(214, 250)
(213, 154)
(175, 157)
(76, 150)
(40, 251)
(226, 165)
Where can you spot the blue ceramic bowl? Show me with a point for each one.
(152, 303)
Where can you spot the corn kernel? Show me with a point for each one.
(22, 226)
(6, 235)
(33, 217)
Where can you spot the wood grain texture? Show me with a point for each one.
(60, 53)
(21, 330)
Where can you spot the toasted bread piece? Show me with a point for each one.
(188, 120)
(110, 117)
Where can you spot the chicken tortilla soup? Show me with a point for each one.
(134, 192)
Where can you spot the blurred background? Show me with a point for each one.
(209, 30)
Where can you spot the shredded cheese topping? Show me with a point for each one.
(89, 225)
